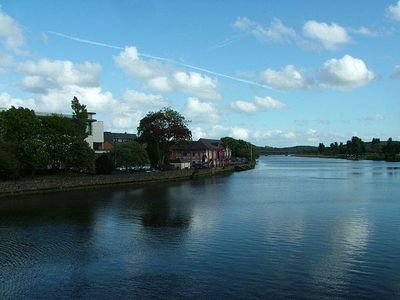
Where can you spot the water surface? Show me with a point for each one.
(293, 227)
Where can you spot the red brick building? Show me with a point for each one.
(204, 152)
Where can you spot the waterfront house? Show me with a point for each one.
(202, 153)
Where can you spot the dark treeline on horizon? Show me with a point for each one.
(355, 148)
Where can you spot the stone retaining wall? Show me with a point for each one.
(67, 182)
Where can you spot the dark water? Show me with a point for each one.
(293, 227)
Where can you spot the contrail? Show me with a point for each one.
(161, 59)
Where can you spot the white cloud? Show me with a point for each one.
(129, 61)
(47, 74)
(243, 23)
(59, 99)
(276, 32)
(160, 83)
(272, 134)
(268, 103)
(10, 32)
(196, 84)
(163, 78)
(345, 73)
(376, 117)
(201, 112)
(6, 63)
(5, 60)
(53, 83)
(239, 133)
(396, 72)
(393, 11)
(290, 135)
(286, 79)
(6, 101)
(362, 30)
(331, 36)
(198, 133)
(259, 104)
(191, 83)
(144, 101)
(244, 106)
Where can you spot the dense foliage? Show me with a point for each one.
(131, 154)
(160, 131)
(104, 164)
(357, 148)
(242, 148)
(29, 143)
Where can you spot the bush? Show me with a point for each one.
(104, 164)
(81, 157)
(9, 164)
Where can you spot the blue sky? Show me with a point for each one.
(275, 73)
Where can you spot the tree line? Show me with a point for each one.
(356, 148)
(241, 148)
(31, 143)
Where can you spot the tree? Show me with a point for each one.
(357, 146)
(391, 149)
(104, 164)
(80, 115)
(334, 148)
(59, 133)
(376, 145)
(18, 124)
(341, 148)
(80, 157)
(321, 148)
(45, 142)
(131, 154)
(9, 164)
(160, 131)
(241, 148)
(34, 154)
(19, 129)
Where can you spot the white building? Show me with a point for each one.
(95, 131)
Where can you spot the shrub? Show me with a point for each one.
(104, 164)
(9, 164)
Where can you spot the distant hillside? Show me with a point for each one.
(287, 150)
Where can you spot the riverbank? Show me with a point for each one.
(345, 156)
(57, 183)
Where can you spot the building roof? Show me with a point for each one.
(202, 144)
(110, 136)
(212, 144)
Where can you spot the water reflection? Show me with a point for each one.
(292, 228)
(161, 214)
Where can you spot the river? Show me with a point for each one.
(291, 228)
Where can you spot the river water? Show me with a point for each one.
(291, 228)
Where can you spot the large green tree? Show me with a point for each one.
(20, 131)
(160, 131)
(391, 150)
(321, 148)
(357, 146)
(80, 116)
(44, 142)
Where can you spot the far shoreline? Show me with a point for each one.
(337, 157)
